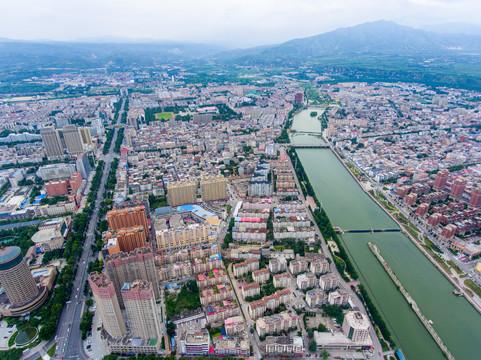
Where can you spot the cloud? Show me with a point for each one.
(231, 22)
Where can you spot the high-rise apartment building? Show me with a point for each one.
(475, 199)
(73, 140)
(182, 192)
(107, 304)
(441, 179)
(129, 217)
(457, 190)
(124, 268)
(15, 276)
(213, 188)
(125, 240)
(142, 311)
(85, 136)
(51, 141)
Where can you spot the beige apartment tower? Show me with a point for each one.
(15, 276)
(73, 140)
(182, 192)
(213, 188)
(142, 311)
(51, 141)
(85, 135)
(107, 304)
(189, 235)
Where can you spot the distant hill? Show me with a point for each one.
(454, 28)
(368, 39)
(36, 55)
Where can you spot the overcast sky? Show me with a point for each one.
(235, 23)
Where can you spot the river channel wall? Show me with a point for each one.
(410, 237)
(411, 302)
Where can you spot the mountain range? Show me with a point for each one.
(383, 41)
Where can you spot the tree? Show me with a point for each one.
(89, 302)
(313, 346)
(325, 354)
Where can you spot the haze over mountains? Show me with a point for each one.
(375, 38)
(375, 49)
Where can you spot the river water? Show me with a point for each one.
(455, 320)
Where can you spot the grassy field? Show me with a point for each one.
(163, 116)
(473, 286)
(51, 351)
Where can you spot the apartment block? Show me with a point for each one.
(211, 278)
(319, 267)
(261, 276)
(216, 293)
(107, 304)
(275, 323)
(129, 217)
(338, 297)
(142, 311)
(234, 325)
(245, 267)
(125, 240)
(213, 188)
(277, 265)
(328, 282)
(306, 281)
(250, 290)
(298, 266)
(282, 280)
(138, 264)
(316, 297)
(182, 192)
(284, 345)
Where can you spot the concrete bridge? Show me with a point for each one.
(293, 131)
(309, 146)
(370, 230)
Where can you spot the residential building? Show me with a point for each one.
(319, 267)
(122, 267)
(457, 190)
(125, 240)
(73, 139)
(261, 276)
(250, 290)
(298, 266)
(306, 281)
(475, 199)
(282, 280)
(129, 217)
(316, 297)
(213, 188)
(441, 179)
(275, 323)
(142, 311)
(245, 267)
(51, 141)
(328, 282)
(107, 304)
(277, 265)
(338, 297)
(182, 192)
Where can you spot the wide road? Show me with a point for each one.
(69, 336)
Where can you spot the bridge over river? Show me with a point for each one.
(370, 230)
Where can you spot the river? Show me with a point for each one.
(455, 320)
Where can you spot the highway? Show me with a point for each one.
(69, 336)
